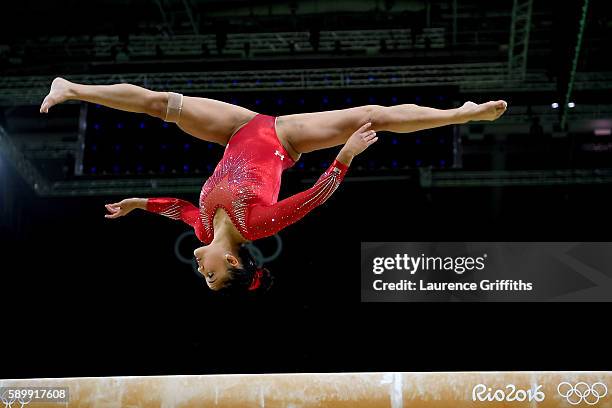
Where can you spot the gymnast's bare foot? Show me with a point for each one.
(61, 90)
(484, 111)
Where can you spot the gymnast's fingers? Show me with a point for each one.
(371, 141)
(112, 209)
(113, 216)
(364, 127)
(369, 136)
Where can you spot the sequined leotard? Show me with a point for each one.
(246, 183)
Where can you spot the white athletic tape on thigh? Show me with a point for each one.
(174, 107)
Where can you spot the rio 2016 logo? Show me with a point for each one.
(511, 393)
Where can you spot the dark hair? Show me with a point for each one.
(241, 279)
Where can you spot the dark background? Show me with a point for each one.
(85, 296)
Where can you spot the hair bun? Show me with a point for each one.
(251, 277)
(266, 279)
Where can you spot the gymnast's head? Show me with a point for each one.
(231, 272)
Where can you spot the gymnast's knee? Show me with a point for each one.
(376, 114)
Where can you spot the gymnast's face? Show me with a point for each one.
(213, 262)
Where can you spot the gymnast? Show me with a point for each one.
(239, 201)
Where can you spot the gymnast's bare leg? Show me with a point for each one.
(204, 118)
(307, 132)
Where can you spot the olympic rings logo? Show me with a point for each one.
(9, 400)
(256, 252)
(582, 392)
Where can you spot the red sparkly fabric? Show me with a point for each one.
(246, 183)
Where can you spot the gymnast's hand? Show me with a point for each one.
(357, 143)
(124, 207)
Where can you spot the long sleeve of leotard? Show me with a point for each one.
(174, 208)
(266, 220)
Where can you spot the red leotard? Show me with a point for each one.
(246, 183)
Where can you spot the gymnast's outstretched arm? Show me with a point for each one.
(170, 207)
